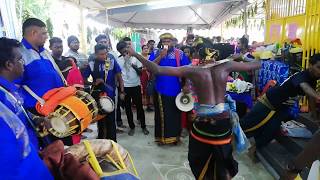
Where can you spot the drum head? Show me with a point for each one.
(107, 104)
(59, 125)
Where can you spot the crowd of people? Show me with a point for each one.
(153, 78)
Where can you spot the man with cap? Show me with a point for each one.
(73, 43)
(167, 115)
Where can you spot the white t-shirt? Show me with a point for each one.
(129, 75)
(81, 58)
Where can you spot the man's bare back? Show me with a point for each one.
(209, 82)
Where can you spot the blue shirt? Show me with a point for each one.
(114, 69)
(18, 157)
(169, 85)
(39, 73)
(13, 101)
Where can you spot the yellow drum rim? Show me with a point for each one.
(79, 109)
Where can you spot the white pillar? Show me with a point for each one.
(107, 18)
(83, 31)
(10, 20)
(245, 20)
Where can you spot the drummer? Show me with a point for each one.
(18, 155)
(39, 75)
(210, 149)
(105, 79)
(11, 69)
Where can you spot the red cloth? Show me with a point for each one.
(76, 138)
(74, 77)
(144, 78)
(269, 85)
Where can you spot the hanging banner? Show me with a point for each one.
(292, 31)
(275, 32)
(135, 38)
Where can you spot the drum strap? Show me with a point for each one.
(55, 66)
(21, 107)
(34, 95)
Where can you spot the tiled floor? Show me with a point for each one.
(170, 162)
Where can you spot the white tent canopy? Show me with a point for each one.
(164, 14)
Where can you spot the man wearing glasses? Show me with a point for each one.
(19, 146)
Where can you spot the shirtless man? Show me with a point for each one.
(210, 137)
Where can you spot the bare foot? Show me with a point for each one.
(184, 132)
(290, 173)
(287, 175)
(252, 154)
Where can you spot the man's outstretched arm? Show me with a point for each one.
(244, 66)
(156, 69)
(310, 92)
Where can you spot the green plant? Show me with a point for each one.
(264, 5)
(261, 24)
(33, 8)
(49, 27)
(119, 33)
(256, 8)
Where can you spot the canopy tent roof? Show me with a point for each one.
(162, 14)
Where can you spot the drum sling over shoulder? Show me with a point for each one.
(20, 106)
(68, 110)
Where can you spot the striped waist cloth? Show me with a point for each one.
(216, 130)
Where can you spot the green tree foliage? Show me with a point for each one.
(119, 33)
(35, 8)
(49, 27)
(252, 11)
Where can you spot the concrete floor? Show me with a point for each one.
(170, 162)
